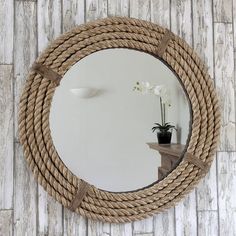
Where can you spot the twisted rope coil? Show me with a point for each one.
(34, 130)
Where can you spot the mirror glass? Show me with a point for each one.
(120, 119)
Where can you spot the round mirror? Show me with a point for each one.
(120, 119)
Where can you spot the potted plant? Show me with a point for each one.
(164, 130)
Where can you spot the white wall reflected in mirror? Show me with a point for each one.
(103, 138)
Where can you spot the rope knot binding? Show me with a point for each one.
(204, 167)
(82, 190)
(168, 35)
(47, 73)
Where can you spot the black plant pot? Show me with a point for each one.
(164, 137)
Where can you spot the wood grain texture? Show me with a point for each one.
(25, 49)
(140, 9)
(186, 216)
(164, 223)
(50, 221)
(98, 228)
(203, 32)
(118, 8)
(224, 71)
(73, 13)
(181, 19)
(143, 234)
(208, 223)
(226, 164)
(49, 22)
(160, 12)
(6, 137)
(6, 219)
(74, 224)
(143, 226)
(35, 24)
(207, 191)
(121, 229)
(95, 9)
(25, 199)
(6, 31)
(25, 188)
(222, 11)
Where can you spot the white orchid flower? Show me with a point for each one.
(165, 96)
(143, 87)
(157, 90)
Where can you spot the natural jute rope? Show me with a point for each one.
(34, 130)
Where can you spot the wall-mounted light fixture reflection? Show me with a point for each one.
(84, 92)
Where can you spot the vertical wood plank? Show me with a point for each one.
(226, 163)
(207, 223)
(25, 203)
(98, 228)
(50, 220)
(25, 188)
(203, 32)
(181, 19)
(207, 191)
(234, 40)
(74, 224)
(6, 137)
(49, 22)
(49, 215)
(143, 226)
(234, 23)
(164, 223)
(6, 222)
(222, 11)
(6, 31)
(160, 12)
(185, 216)
(95, 9)
(25, 47)
(224, 71)
(73, 13)
(118, 8)
(144, 234)
(121, 229)
(140, 9)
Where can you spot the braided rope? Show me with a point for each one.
(34, 129)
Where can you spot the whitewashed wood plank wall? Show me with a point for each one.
(26, 27)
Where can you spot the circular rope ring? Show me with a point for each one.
(34, 130)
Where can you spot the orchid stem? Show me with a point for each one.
(162, 116)
(164, 113)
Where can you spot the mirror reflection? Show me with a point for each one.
(120, 119)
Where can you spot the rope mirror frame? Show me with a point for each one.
(34, 131)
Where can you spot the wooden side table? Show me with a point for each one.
(170, 154)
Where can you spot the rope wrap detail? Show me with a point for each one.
(79, 196)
